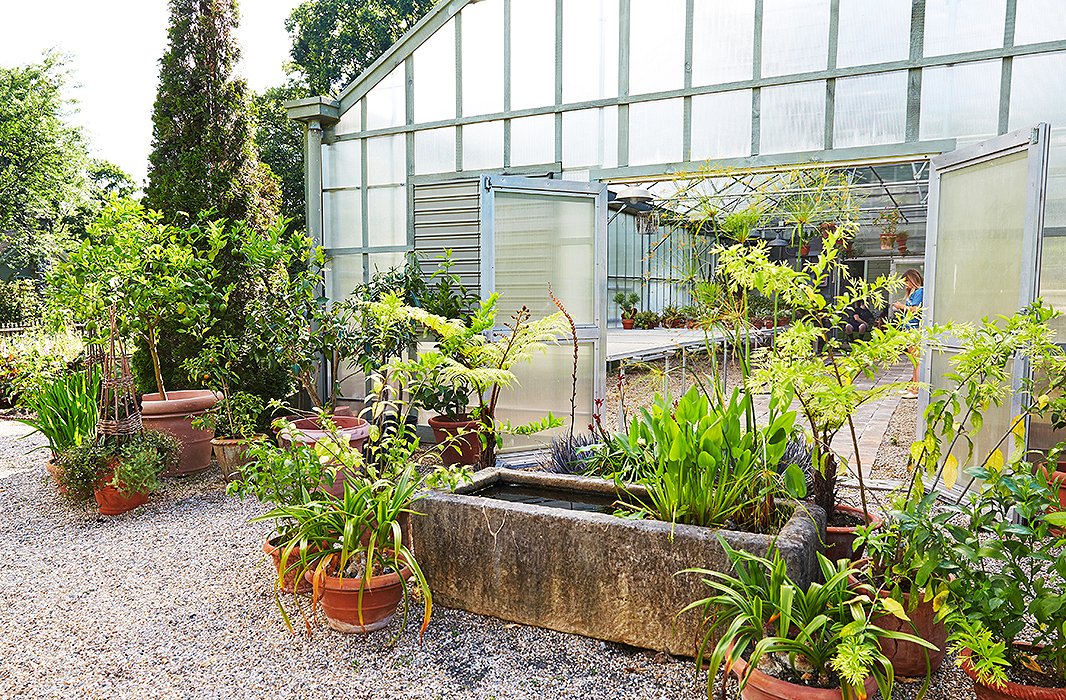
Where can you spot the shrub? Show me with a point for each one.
(133, 466)
(19, 302)
(34, 359)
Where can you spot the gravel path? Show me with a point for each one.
(895, 450)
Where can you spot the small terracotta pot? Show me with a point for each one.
(53, 470)
(380, 598)
(840, 541)
(765, 687)
(627, 323)
(273, 549)
(805, 250)
(462, 438)
(174, 416)
(232, 455)
(1010, 691)
(908, 659)
(114, 502)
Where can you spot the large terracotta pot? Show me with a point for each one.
(114, 502)
(380, 599)
(308, 430)
(174, 416)
(840, 541)
(1010, 691)
(462, 438)
(232, 454)
(765, 687)
(909, 659)
(273, 549)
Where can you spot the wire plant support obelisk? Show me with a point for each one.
(120, 418)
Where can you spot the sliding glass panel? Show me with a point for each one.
(434, 76)
(726, 32)
(656, 46)
(532, 53)
(979, 239)
(793, 117)
(870, 109)
(957, 26)
(590, 50)
(721, 125)
(795, 36)
(655, 132)
(483, 58)
(873, 31)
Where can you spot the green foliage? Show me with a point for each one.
(20, 302)
(336, 40)
(132, 466)
(236, 415)
(282, 476)
(33, 359)
(646, 320)
(65, 410)
(444, 294)
(280, 144)
(821, 633)
(703, 463)
(203, 156)
(627, 303)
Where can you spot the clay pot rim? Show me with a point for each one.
(352, 426)
(238, 441)
(353, 584)
(739, 667)
(871, 519)
(1012, 689)
(178, 403)
(441, 421)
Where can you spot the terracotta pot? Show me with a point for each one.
(464, 442)
(840, 541)
(273, 549)
(308, 430)
(1010, 691)
(380, 599)
(627, 323)
(53, 470)
(174, 416)
(114, 502)
(232, 454)
(765, 687)
(909, 659)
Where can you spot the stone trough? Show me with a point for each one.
(558, 563)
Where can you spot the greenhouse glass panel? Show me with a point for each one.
(870, 110)
(793, 117)
(655, 132)
(385, 261)
(434, 76)
(873, 31)
(386, 103)
(540, 241)
(387, 211)
(483, 146)
(656, 46)
(342, 221)
(483, 58)
(1038, 83)
(960, 100)
(958, 26)
(1053, 276)
(590, 50)
(980, 229)
(386, 160)
(341, 164)
(533, 140)
(351, 122)
(1036, 21)
(590, 138)
(795, 36)
(435, 150)
(532, 64)
(343, 274)
(726, 32)
(721, 125)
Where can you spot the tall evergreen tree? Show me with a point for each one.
(203, 156)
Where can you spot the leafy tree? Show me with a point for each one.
(280, 144)
(203, 156)
(336, 40)
(43, 163)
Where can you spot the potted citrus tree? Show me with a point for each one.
(155, 276)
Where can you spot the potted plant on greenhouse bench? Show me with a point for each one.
(156, 276)
(234, 419)
(627, 306)
(784, 642)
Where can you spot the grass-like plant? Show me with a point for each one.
(65, 410)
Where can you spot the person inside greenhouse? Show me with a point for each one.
(911, 308)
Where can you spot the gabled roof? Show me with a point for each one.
(398, 52)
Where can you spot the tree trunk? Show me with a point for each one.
(154, 351)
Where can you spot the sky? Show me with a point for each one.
(115, 46)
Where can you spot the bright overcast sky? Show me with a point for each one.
(115, 47)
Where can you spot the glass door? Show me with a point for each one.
(986, 209)
(537, 233)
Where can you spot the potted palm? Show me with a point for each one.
(157, 277)
(627, 305)
(783, 641)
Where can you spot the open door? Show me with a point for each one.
(536, 232)
(982, 258)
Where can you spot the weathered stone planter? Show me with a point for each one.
(587, 573)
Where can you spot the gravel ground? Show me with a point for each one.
(895, 450)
